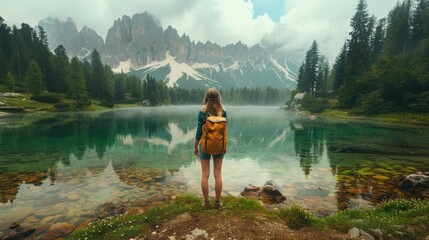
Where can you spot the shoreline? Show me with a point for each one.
(396, 119)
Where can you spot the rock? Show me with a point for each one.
(185, 217)
(296, 103)
(358, 233)
(380, 177)
(140, 203)
(268, 193)
(13, 225)
(110, 209)
(354, 232)
(177, 180)
(366, 236)
(415, 182)
(197, 234)
(19, 214)
(377, 233)
(59, 230)
(20, 235)
(73, 197)
(135, 210)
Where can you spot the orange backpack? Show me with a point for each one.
(215, 136)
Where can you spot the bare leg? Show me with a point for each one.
(205, 173)
(217, 172)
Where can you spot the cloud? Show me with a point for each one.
(218, 21)
(222, 22)
(327, 22)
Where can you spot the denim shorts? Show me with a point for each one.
(207, 156)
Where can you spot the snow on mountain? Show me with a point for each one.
(177, 70)
(280, 67)
(124, 66)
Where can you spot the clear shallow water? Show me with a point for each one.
(58, 168)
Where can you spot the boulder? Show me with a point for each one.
(268, 193)
(20, 235)
(110, 209)
(359, 233)
(417, 182)
(59, 230)
(197, 234)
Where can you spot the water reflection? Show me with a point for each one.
(65, 166)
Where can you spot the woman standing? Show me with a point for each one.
(212, 106)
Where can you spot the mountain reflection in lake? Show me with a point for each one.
(64, 167)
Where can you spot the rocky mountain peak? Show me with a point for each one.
(65, 33)
(140, 43)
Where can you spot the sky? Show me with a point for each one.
(291, 25)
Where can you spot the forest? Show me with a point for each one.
(27, 65)
(383, 67)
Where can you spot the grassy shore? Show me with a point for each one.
(23, 100)
(401, 219)
(421, 119)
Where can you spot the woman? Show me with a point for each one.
(212, 107)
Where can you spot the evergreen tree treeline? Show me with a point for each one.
(384, 65)
(27, 65)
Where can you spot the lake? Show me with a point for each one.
(65, 167)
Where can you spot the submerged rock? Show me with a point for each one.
(110, 209)
(59, 230)
(20, 235)
(268, 193)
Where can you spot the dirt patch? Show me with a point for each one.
(220, 225)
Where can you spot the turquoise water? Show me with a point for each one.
(64, 167)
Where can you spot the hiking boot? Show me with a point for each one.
(218, 204)
(206, 204)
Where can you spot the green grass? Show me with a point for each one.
(296, 217)
(392, 218)
(126, 105)
(402, 118)
(24, 101)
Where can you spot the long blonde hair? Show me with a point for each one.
(213, 103)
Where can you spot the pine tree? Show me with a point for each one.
(312, 64)
(301, 78)
(76, 84)
(120, 87)
(97, 85)
(20, 57)
(5, 49)
(358, 56)
(339, 69)
(108, 86)
(398, 29)
(322, 76)
(419, 22)
(61, 70)
(34, 83)
(9, 82)
(378, 40)
(307, 77)
(44, 57)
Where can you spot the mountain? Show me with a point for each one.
(139, 45)
(65, 33)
